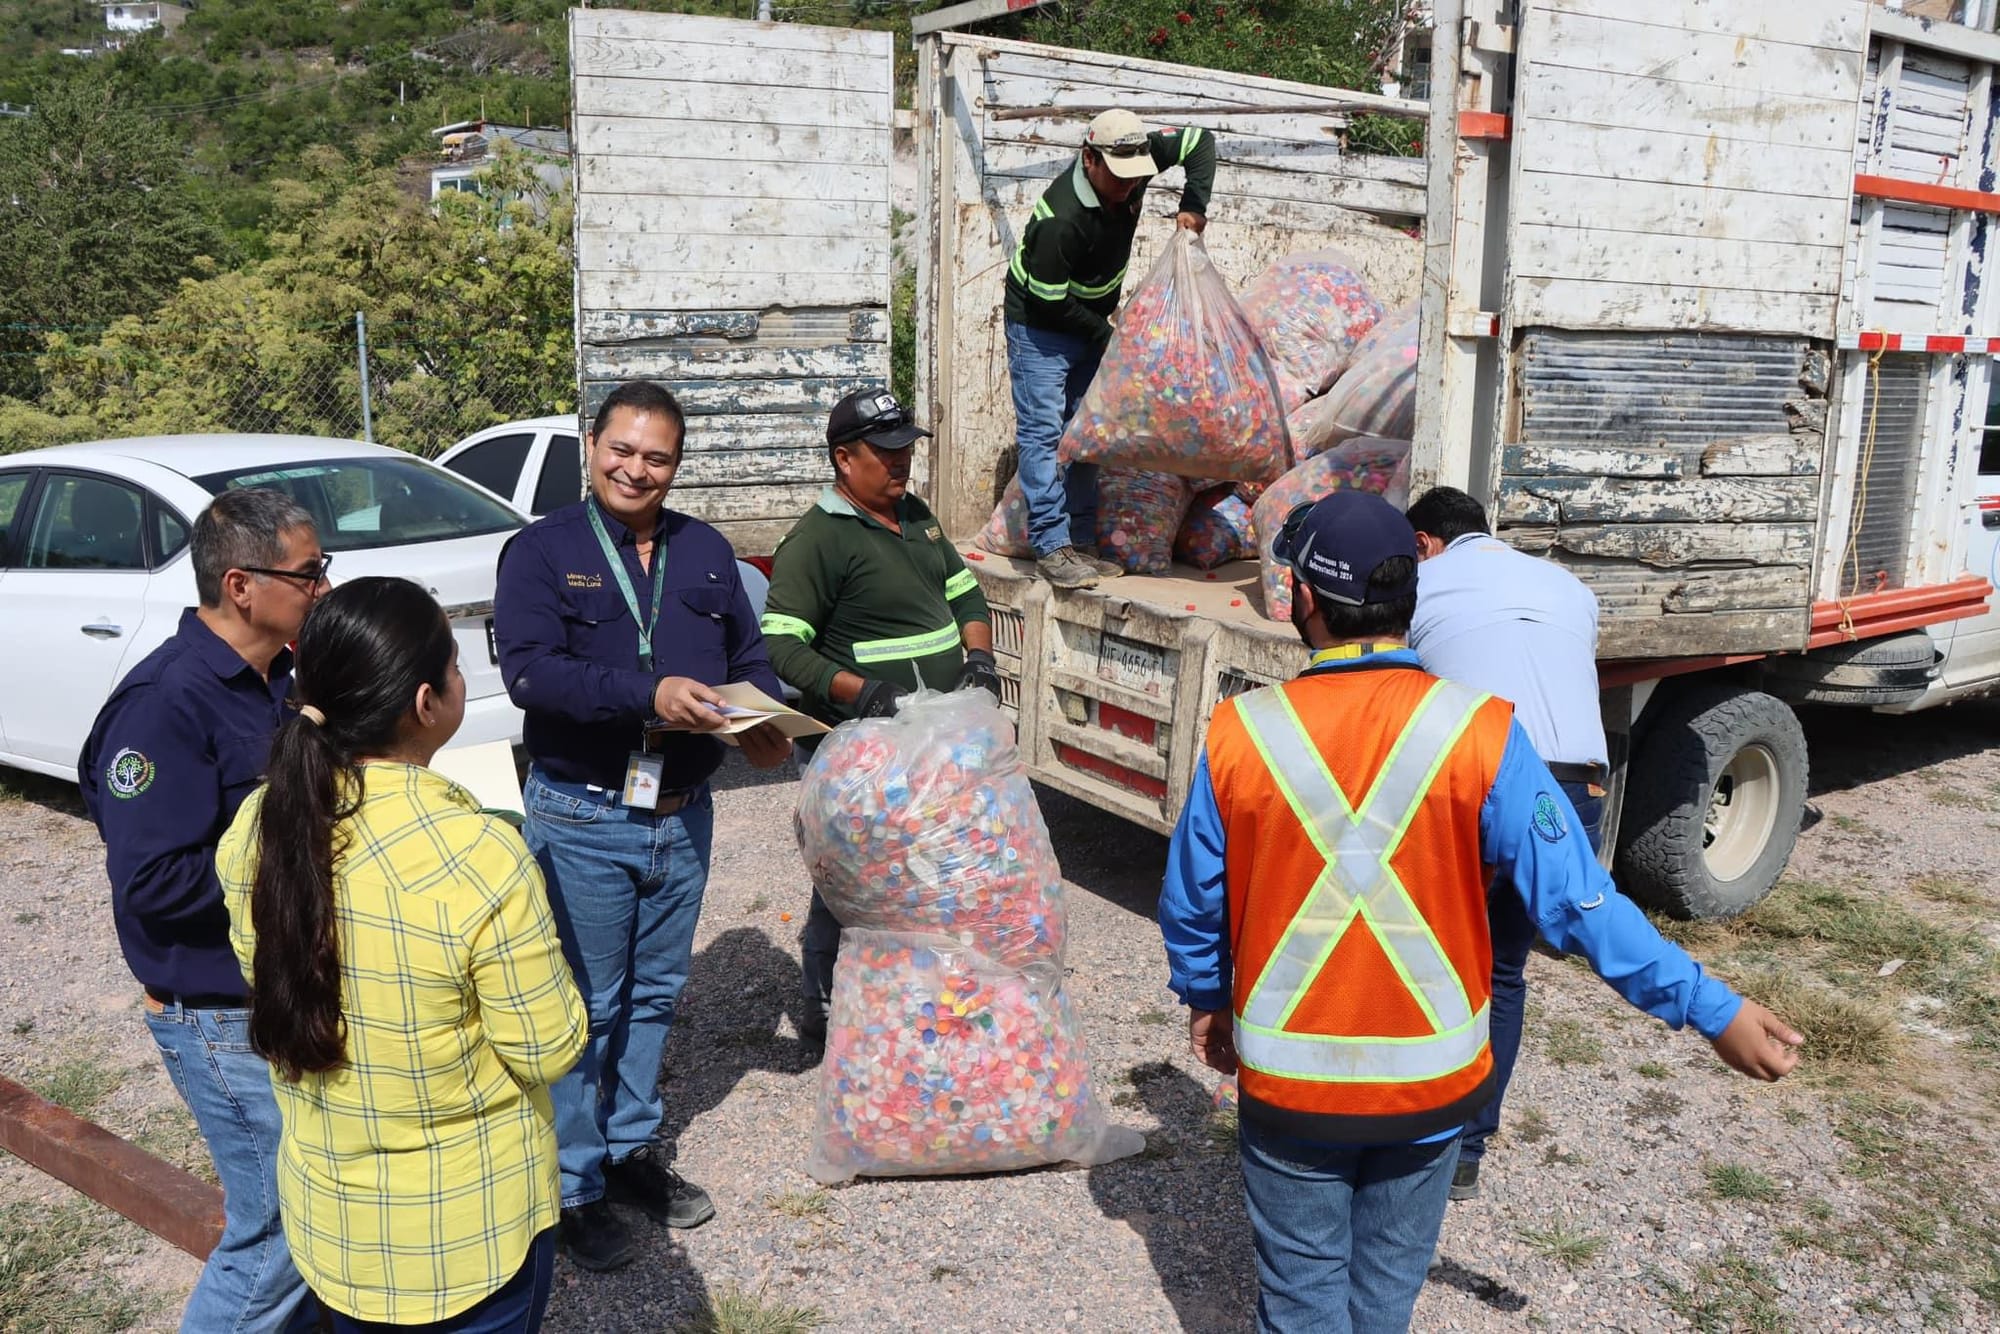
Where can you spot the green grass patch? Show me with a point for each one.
(80, 1084)
(734, 1311)
(801, 1203)
(1531, 1126)
(1155, 1018)
(1571, 1247)
(1733, 1181)
(1652, 1070)
(1732, 1294)
(1222, 1127)
(1568, 1042)
(47, 1280)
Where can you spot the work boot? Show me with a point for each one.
(595, 1238)
(1465, 1180)
(1065, 567)
(647, 1183)
(1109, 569)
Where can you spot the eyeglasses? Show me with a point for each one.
(311, 576)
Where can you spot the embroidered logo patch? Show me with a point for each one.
(1549, 822)
(584, 580)
(934, 533)
(129, 774)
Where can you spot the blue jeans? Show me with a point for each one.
(1049, 372)
(514, 1308)
(1344, 1235)
(625, 886)
(1513, 937)
(249, 1283)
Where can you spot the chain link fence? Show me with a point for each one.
(413, 384)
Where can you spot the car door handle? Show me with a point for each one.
(103, 631)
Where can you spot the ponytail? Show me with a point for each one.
(364, 650)
(295, 1019)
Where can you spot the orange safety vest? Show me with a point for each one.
(1363, 966)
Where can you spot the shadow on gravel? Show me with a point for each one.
(737, 772)
(1104, 853)
(51, 794)
(1849, 747)
(1184, 1196)
(1480, 1287)
(741, 986)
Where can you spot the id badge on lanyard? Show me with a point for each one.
(644, 772)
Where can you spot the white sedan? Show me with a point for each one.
(94, 566)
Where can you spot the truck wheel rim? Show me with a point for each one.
(1742, 812)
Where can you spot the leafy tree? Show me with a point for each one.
(98, 214)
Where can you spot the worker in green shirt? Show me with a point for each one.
(1062, 288)
(869, 601)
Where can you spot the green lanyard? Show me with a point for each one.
(625, 586)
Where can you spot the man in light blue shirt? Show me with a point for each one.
(1524, 629)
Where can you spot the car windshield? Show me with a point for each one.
(363, 503)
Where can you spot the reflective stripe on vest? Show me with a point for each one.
(909, 646)
(1358, 883)
(1087, 292)
(959, 585)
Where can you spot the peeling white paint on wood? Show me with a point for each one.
(1669, 545)
(1638, 500)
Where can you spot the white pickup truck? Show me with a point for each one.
(1705, 318)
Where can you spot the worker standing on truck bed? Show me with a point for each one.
(1062, 288)
(1324, 911)
(869, 600)
(1524, 629)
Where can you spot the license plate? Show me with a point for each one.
(492, 644)
(1129, 663)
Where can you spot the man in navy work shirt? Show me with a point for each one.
(615, 618)
(1524, 629)
(175, 750)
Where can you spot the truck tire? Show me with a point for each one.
(1893, 670)
(1713, 798)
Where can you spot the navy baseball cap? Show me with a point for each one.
(873, 415)
(1336, 543)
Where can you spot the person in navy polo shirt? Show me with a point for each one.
(615, 618)
(175, 750)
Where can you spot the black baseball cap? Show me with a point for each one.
(1335, 544)
(873, 415)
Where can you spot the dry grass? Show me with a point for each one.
(1571, 1247)
(48, 1276)
(734, 1311)
(1568, 1042)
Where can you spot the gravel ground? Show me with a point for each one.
(1638, 1184)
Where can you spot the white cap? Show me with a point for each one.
(1121, 137)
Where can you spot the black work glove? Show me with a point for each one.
(879, 699)
(980, 672)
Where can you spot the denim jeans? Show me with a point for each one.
(1513, 937)
(1049, 372)
(625, 886)
(249, 1283)
(1344, 1235)
(514, 1308)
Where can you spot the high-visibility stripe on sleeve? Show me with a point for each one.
(959, 585)
(1036, 287)
(1091, 292)
(907, 646)
(773, 623)
(1189, 138)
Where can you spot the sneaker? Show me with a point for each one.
(595, 1238)
(647, 1183)
(1066, 568)
(1465, 1180)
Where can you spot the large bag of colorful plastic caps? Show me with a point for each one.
(1366, 464)
(927, 822)
(1216, 530)
(941, 1060)
(1185, 386)
(1310, 310)
(1006, 533)
(1377, 395)
(1138, 514)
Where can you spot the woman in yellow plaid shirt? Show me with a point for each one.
(407, 987)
